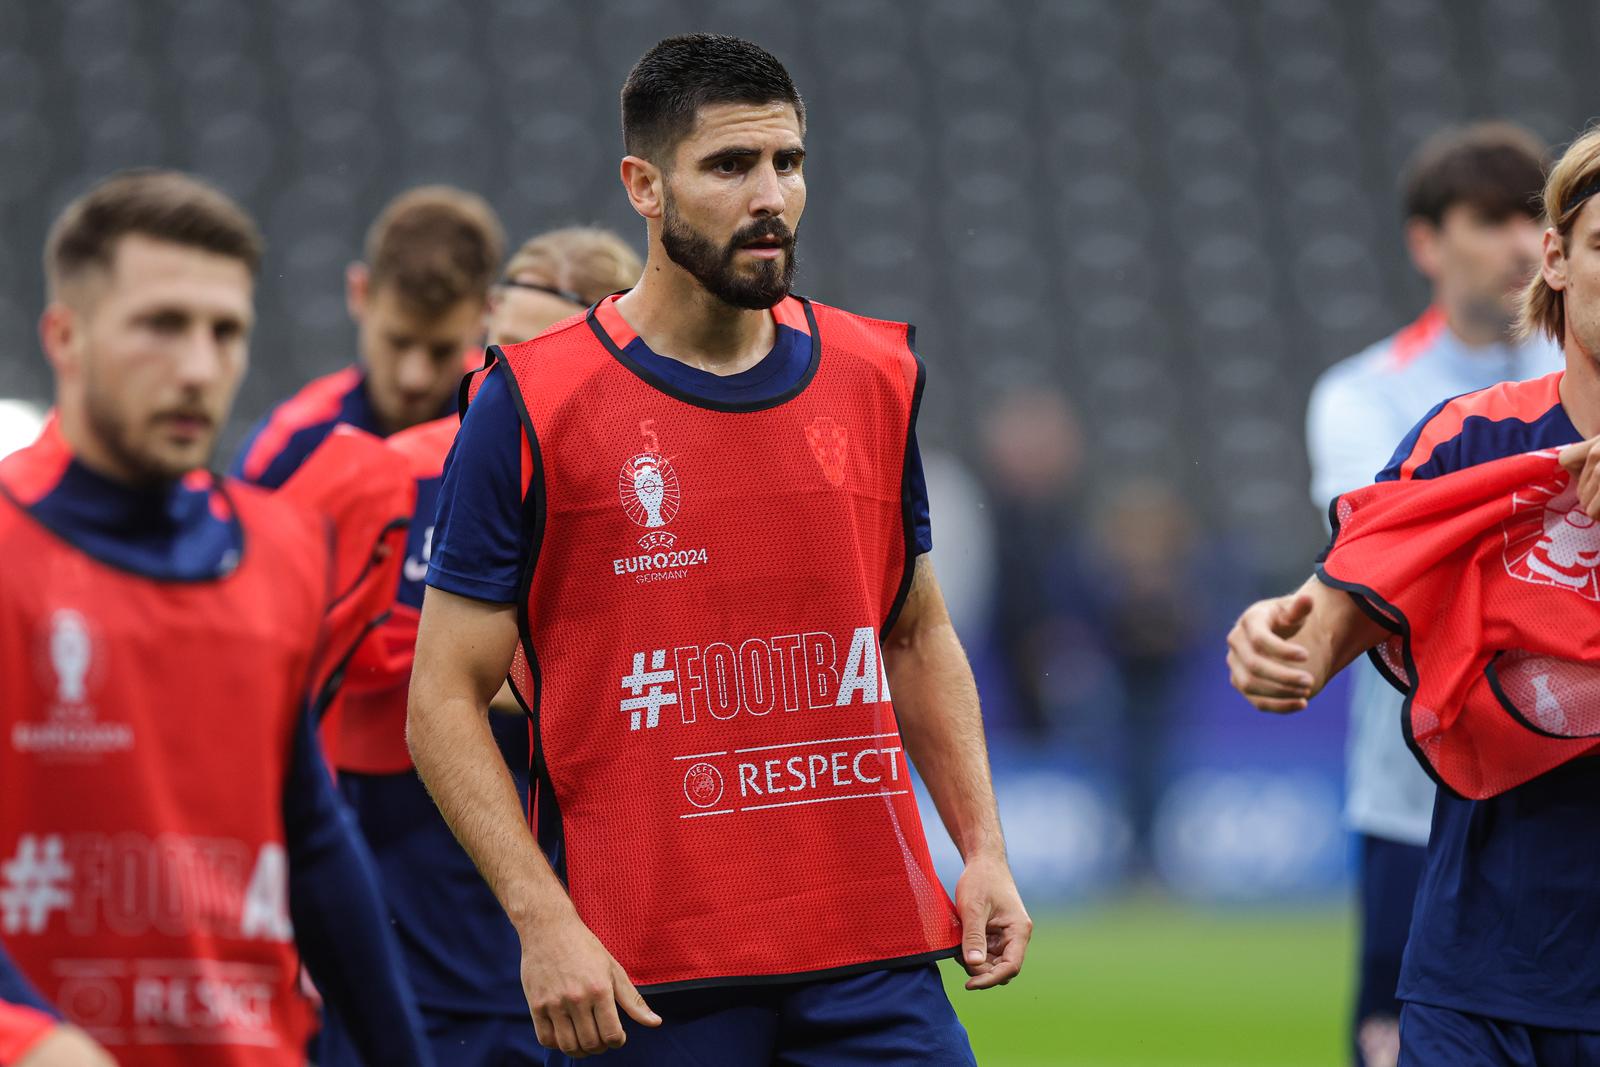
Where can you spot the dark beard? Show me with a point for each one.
(714, 268)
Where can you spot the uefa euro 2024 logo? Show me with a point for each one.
(1549, 540)
(650, 495)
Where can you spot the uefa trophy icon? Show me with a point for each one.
(70, 652)
(649, 490)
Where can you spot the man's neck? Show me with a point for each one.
(1470, 330)
(677, 318)
(93, 456)
(1580, 388)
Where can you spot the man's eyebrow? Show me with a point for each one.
(732, 152)
(747, 152)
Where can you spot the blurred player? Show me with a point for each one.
(418, 301)
(1500, 967)
(703, 504)
(555, 274)
(1471, 206)
(465, 971)
(166, 810)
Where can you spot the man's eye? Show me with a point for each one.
(167, 323)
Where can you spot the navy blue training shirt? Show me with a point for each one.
(481, 538)
(1508, 912)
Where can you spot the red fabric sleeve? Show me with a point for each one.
(1489, 581)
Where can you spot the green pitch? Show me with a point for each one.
(1154, 984)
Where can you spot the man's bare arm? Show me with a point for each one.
(1284, 650)
(464, 648)
(936, 702)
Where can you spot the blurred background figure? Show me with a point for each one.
(1167, 219)
(465, 970)
(557, 274)
(1472, 228)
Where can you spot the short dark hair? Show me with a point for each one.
(167, 205)
(436, 245)
(671, 83)
(1496, 167)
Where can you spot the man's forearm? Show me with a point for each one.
(936, 702)
(1335, 632)
(456, 756)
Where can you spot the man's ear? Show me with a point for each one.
(59, 329)
(1553, 260)
(1422, 242)
(645, 184)
(357, 279)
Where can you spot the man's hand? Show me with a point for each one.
(1583, 460)
(995, 927)
(574, 986)
(67, 1046)
(1263, 663)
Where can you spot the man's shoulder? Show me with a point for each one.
(425, 447)
(1401, 354)
(1486, 424)
(292, 428)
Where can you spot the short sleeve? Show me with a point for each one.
(916, 488)
(1441, 460)
(1349, 434)
(482, 530)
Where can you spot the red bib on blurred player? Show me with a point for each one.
(365, 492)
(1490, 580)
(703, 619)
(147, 733)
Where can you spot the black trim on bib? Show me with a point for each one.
(1398, 624)
(660, 385)
(540, 788)
(908, 520)
(805, 976)
(1491, 671)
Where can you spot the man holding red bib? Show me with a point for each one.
(1499, 969)
(700, 505)
(171, 847)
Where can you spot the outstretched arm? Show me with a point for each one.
(341, 923)
(573, 985)
(936, 702)
(1284, 650)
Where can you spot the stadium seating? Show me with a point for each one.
(1183, 209)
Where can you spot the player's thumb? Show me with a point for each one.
(629, 1000)
(1573, 456)
(1292, 616)
(974, 935)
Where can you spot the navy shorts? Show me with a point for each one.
(1433, 1037)
(883, 1018)
(1390, 872)
(456, 1040)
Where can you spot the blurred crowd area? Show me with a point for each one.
(1131, 234)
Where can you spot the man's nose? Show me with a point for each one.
(766, 195)
(415, 372)
(199, 357)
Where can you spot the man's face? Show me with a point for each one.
(1485, 262)
(149, 355)
(1573, 267)
(733, 200)
(413, 361)
(518, 313)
